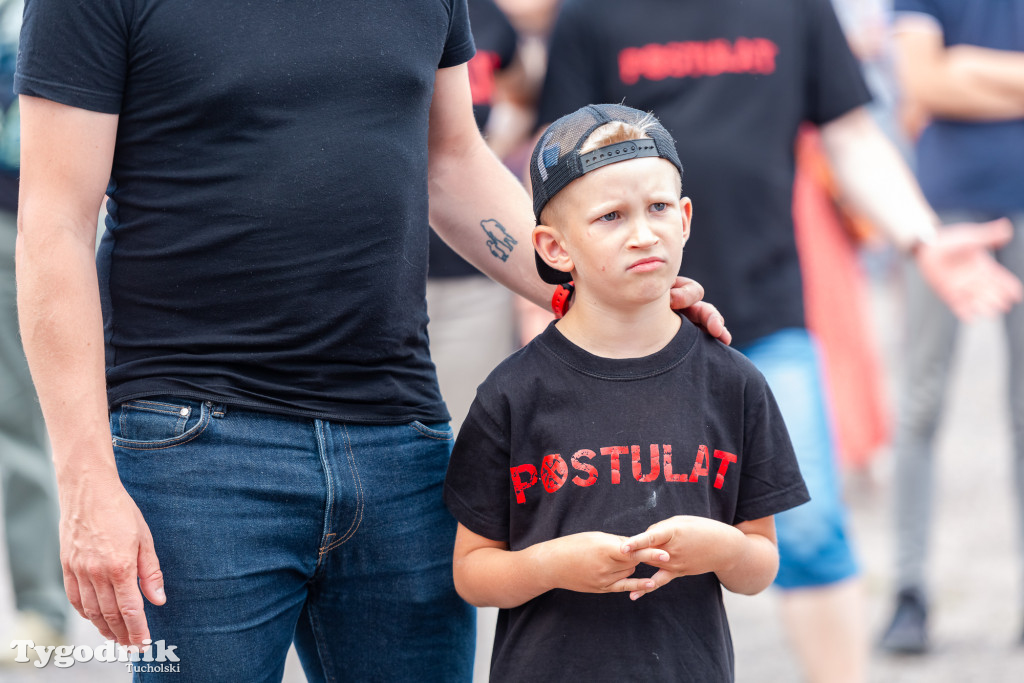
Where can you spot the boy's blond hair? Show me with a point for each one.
(617, 131)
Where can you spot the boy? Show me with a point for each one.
(618, 418)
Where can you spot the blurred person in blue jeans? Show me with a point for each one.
(245, 420)
(29, 492)
(962, 64)
(733, 81)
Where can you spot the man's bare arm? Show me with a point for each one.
(105, 544)
(962, 82)
(956, 260)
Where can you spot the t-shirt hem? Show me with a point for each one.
(115, 399)
(62, 93)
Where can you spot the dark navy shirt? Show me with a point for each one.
(267, 239)
(973, 165)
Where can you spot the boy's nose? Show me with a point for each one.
(643, 235)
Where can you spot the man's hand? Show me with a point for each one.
(594, 562)
(960, 268)
(686, 297)
(106, 549)
(692, 545)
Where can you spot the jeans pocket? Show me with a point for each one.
(442, 431)
(156, 423)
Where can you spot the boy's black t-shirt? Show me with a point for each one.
(560, 441)
(732, 80)
(267, 239)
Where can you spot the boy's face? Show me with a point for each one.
(619, 230)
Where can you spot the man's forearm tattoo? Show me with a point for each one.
(498, 240)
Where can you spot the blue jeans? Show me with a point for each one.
(813, 546)
(272, 529)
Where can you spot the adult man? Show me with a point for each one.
(274, 418)
(276, 422)
(732, 81)
(962, 64)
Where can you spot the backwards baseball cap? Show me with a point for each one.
(556, 159)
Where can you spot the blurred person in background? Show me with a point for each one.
(962, 65)
(29, 491)
(733, 81)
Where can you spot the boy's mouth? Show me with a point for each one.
(646, 264)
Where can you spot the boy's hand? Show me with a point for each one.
(695, 545)
(686, 297)
(595, 562)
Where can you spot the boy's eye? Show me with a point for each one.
(658, 207)
(609, 216)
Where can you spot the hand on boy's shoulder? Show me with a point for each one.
(687, 297)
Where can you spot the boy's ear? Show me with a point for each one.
(547, 241)
(687, 210)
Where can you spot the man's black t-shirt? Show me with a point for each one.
(267, 239)
(560, 441)
(495, 40)
(732, 80)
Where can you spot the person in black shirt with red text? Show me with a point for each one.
(733, 81)
(621, 435)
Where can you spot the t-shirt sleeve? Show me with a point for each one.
(477, 485)
(834, 83)
(459, 47)
(74, 53)
(573, 78)
(770, 481)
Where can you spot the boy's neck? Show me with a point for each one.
(611, 332)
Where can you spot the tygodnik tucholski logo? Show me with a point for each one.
(158, 657)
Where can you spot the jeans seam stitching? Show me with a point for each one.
(206, 424)
(359, 497)
(329, 508)
(429, 435)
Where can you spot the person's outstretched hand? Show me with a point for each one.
(960, 268)
(686, 296)
(106, 551)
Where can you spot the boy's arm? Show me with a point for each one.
(488, 574)
(744, 557)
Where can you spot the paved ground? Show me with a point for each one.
(976, 593)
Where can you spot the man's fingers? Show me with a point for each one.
(151, 579)
(995, 234)
(91, 609)
(110, 609)
(71, 588)
(708, 317)
(686, 293)
(131, 609)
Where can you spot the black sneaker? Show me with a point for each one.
(907, 634)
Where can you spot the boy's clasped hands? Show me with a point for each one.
(684, 545)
